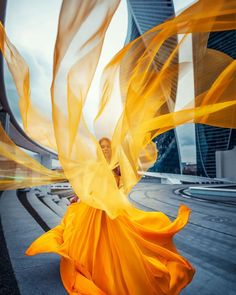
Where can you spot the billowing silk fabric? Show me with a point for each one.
(19, 170)
(138, 93)
(107, 246)
(126, 255)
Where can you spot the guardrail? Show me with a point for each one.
(61, 186)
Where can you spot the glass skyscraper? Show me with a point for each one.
(144, 15)
(210, 139)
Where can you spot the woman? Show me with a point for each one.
(132, 253)
(105, 145)
(127, 255)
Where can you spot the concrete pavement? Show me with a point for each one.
(208, 241)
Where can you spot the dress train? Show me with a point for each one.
(129, 255)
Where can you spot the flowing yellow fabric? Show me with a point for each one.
(147, 103)
(127, 255)
(138, 93)
(35, 124)
(19, 170)
(107, 246)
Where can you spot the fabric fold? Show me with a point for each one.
(129, 256)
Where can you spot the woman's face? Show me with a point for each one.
(106, 149)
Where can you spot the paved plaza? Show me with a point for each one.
(208, 241)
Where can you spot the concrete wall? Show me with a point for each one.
(226, 164)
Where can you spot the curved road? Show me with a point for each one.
(208, 241)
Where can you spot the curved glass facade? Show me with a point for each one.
(210, 139)
(144, 15)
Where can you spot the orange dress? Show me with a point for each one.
(129, 255)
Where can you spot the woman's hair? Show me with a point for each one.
(104, 138)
